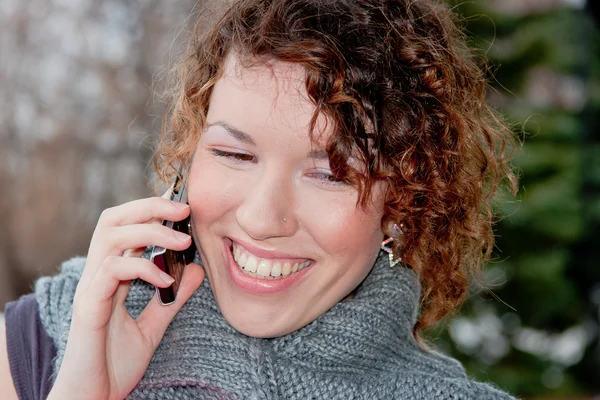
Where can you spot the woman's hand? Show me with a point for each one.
(107, 351)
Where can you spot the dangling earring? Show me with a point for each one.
(396, 231)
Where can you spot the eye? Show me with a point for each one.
(233, 156)
(327, 178)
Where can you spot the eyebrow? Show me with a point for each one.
(245, 138)
(236, 133)
(318, 154)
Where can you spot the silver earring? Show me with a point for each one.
(396, 230)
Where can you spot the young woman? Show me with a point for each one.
(323, 141)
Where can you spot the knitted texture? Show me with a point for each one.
(362, 348)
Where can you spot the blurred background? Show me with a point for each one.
(79, 114)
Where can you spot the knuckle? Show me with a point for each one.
(81, 305)
(160, 229)
(109, 237)
(110, 262)
(155, 232)
(107, 215)
(146, 208)
(84, 313)
(166, 235)
(146, 264)
(161, 204)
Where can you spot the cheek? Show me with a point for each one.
(210, 192)
(342, 227)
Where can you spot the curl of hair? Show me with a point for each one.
(405, 95)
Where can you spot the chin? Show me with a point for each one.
(262, 327)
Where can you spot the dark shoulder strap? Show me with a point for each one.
(30, 349)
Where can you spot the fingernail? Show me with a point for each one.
(166, 277)
(179, 205)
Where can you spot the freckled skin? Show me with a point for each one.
(248, 200)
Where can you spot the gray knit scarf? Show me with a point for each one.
(361, 348)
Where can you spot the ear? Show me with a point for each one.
(391, 229)
(387, 226)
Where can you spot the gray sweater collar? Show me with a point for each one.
(361, 348)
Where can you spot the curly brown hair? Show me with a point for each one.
(405, 94)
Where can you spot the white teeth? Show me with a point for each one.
(251, 264)
(241, 260)
(276, 271)
(264, 268)
(286, 269)
(303, 265)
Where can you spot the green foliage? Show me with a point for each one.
(546, 79)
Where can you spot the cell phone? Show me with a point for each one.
(170, 261)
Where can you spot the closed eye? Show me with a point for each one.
(328, 178)
(233, 156)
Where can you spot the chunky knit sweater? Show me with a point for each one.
(361, 348)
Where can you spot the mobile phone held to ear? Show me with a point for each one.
(170, 261)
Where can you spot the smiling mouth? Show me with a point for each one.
(265, 268)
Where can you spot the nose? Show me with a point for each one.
(267, 208)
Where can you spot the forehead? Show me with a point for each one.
(266, 75)
(264, 94)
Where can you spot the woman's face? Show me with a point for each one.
(280, 240)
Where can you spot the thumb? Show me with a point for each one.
(155, 319)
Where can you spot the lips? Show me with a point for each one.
(264, 279)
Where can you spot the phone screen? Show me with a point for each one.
(170, 261)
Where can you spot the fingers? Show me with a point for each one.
(117, 269)
(140, 250)
(93, 303)
(133, 226)
(155, 318)
(143, 211)
(115, 240)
